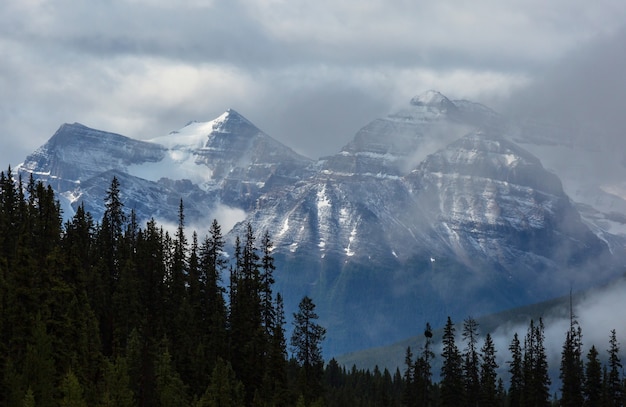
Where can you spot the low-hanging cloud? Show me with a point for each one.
(309, 76)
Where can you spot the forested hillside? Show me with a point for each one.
(108, 312)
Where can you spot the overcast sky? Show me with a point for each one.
(310, 73)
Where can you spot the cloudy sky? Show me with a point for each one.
(309, 73)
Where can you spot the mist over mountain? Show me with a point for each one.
(444, 207)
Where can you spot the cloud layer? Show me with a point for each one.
(308, 74)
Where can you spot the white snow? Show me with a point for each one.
(285, 227)
(429, 97)
(349, 251)
(180, 158)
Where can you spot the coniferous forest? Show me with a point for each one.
(107, 312)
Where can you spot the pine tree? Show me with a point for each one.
(471, 362)
(409, 396)
(306, 342)
(170, 388)
(247, 334)
(276, 373)
(225, 390)
(117, 391)
(571, 372)
(592, 388)
(452, 388)
(423, 372)
(488, 395)
(39, 368)
(516, 384)
(72, 391)
(614, 383)
(536, 390)
(109, 245)
(212, 305)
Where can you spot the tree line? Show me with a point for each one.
(111, 313)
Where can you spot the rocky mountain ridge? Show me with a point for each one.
(433, 210)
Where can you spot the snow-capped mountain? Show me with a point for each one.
(224, 162)
(442, 208)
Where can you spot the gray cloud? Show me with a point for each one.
(308, 74)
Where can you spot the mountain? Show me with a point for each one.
(224, 162)
(441, 208)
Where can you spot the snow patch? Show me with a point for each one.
(349, 251)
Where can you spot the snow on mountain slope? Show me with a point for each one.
(76, 152)
(434, 210)
(226, 161)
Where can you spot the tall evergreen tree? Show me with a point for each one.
(471, 362)
(306, 342)
(516, 384)
(109, 245)
(488, 396)
(212, 304)
(536, 390)
(614, 383)
(571, 372)
(592, 388)
(452, 386)
(409, 396)
(423, 371)
(247, 334)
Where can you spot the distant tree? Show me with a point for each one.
(224, 389)
(488, 395)
(409, 396)
(422, 375)
(536, 390)
(592, 388)
(72, 391)
(452, 385)
(170, 388)
(614, 382)
(571, 374)
(306, 342)
(572, 369)
(471, 362)
(516, 383)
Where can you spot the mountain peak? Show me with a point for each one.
(433, 99)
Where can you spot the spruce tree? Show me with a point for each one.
(409, 396)
(306, 342)
(488, 396)
(72, 391)
(212, 304)
(247, 334)
(516, 383)
(536, 383)
(592, 388)
(571, 374)
(471, 363)
(614, 382)
(422, 371)
(452, 385)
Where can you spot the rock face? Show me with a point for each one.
(226, 161)
(432, 211)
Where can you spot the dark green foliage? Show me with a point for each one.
(488, 395)
(452, 379)
(306, 342)
(516, 384)
(593, 379)
(111, 313)
(571, 373)
(536, 381)
(614, 382)
(471, 364)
